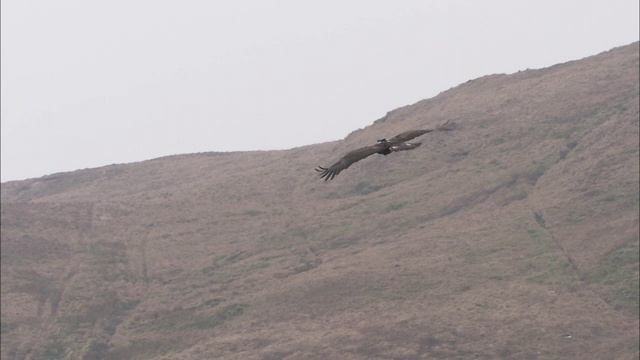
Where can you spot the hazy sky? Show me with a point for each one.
(92, 83)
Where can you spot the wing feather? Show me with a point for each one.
(346, 161)
(408, 135)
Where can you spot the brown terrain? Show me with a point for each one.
(513, 237)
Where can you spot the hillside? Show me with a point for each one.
(515, 236)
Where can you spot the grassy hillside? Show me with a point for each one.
(515, 236)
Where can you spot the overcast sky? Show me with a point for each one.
(92, 83)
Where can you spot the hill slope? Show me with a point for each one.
(515, 236)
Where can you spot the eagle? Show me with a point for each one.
(384, 147)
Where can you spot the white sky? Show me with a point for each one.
(93, 83)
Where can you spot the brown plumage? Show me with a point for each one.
(384, 147)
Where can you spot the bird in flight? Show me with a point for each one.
(384, 147)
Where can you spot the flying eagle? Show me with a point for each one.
(384, 147)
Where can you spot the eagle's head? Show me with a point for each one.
(383, 141)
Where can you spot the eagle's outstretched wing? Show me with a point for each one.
(346, 161)
(397, 143)
(408, 135)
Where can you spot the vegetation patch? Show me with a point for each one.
(179, 318)
(150, 348)
(394, 206)
(549, 265)
(107, 252)
(94, 349)
(35, 284)
(340, 241)
(107, 311)
(616, 277)
(226, 313)
(364, 188)
(54, 350)
(224, 260)
(213, 302)
(6, 327)
(554, 271)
